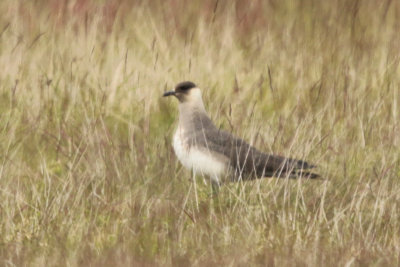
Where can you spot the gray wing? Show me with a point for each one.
(247, 161)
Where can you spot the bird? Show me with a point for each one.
(210, 151)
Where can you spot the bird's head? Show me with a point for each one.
(185, 92)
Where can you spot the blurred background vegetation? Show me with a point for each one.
(87, 172)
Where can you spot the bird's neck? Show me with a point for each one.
(190, 113)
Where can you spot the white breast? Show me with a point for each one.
(200, 160)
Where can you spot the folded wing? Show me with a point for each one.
(248, 162)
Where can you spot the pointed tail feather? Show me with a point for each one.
(281, 167)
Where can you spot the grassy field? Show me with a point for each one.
(87, 171)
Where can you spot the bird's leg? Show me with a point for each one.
(215, 187)
(195, 189)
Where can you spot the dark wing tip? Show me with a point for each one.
(308, 175)
(304, 165)
(302, 170)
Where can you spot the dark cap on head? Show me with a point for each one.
(181, 90)
(183, 86)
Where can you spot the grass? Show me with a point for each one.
(87, 172)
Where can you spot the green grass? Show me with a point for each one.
(87, 171)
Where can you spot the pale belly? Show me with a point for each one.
(200, 161)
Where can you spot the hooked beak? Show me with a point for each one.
(169, 93)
